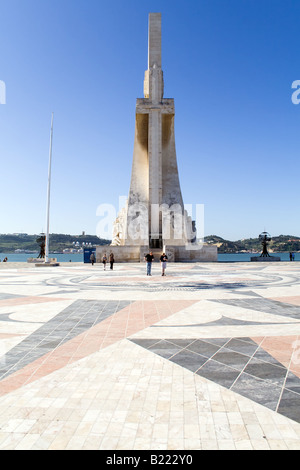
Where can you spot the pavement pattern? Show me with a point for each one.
(206, 357)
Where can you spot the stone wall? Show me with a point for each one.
(122, 254)
(205, 253)
(135, 254)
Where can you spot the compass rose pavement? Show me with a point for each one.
(207, 357)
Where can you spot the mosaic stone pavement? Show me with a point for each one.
(207, 357)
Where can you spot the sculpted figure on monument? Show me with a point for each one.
(41, 240)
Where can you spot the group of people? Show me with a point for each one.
(148, 258)
(111, 261)
(104, 260)
(163, 261)
(292, 256)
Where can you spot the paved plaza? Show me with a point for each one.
(207, 357)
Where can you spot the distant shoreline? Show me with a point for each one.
(60, 243)
(72, 258)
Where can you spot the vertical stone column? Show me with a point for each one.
(153, 84)
(154, 40)
(155, 93)
(155, 173)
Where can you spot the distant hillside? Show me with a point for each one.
(282, 243)
(225, 246)
(58, 242)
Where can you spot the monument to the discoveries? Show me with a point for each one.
(154, 217)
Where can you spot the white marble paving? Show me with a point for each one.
(126, 397)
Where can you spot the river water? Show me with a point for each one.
(78, 257)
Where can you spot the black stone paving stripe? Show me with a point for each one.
(261, 304)
(289, 405)
(203, 347)
(292, 383)
(219, 373)
(257, 390)
(232, 359)
(244, 347)
(262, 355)
(72, 321)
(164, 349)
(266, 371)
(237, 364)
(188, 359)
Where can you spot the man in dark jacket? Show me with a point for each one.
(149, 258)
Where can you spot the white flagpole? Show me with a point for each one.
(48, 194)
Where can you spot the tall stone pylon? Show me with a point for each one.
(155, 194)
(154, 217)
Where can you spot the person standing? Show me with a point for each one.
(149, 258)
(111, 260)
(92, 258)
(163, 261)
(104, 259)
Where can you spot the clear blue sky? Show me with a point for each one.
(229, 65)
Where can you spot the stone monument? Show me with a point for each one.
(265, 238)
(154, 217)
(41, 240)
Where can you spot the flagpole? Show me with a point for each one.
(48, 194)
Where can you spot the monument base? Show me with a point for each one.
(135, 254)
(41, 260)
(38, 265)
(265, 258)
(122, 254)
(193, 253)
(38, 262)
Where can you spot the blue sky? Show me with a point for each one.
(229, 65)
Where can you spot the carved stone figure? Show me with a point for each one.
(41, 240)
